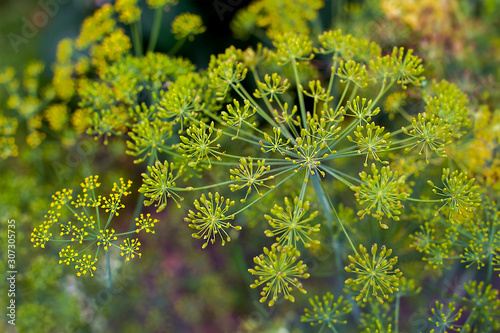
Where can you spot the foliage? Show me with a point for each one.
(266, 153)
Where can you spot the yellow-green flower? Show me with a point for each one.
(187, 25)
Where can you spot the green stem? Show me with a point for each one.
(328, 207)
(339, 104)
(423, 200)
(382, 92)
(266, 101)
(353, 93)
(177, 46)
(136, 38)
(490, 269)
(140, 199)
(265, 194)
(156, 29)
(335, 13)
(109, 269)
(97, 212)
(332, 75)
(245, 95)
(190, 189)
(300, 95)
(334, 173)
(396, 314)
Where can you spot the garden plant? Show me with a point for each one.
(340, 182)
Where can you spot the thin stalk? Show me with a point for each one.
(490, 269)
(97, 212)
(339, 104)
(136, 38)
(328, 207)
(396, 314)
(304, 185)
(332, 75)
(190, 189)
(334, 173)
(353, 93)
(177, 46)
(262, 197)
(382, 92)
(300, 95)
(257, 79)
(140, 199)
(245, 95)
(109, 269)
(156, 29)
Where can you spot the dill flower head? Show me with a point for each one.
(210, 220)
(459, 193)
(161, 3)
(327, 312)
(187, 25)
(445, 318)
(130, 248)
(86, 265)
(376, 276)
(279, 271)
(88, 225)
(128, 10)
(382, 193)
(295, 15)
(159, 185)
(292, 47)
(484, 305)
(95, 27)
(291, 225)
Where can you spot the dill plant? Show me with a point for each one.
(266, 120)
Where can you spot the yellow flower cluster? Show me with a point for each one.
(479, 154)
(425, 16)
(86, 265)
(112, 48)
(187, 25)
(129, 11)
(68, 254)
(96, 27)
(90, 183)
(161, 3)
(278, 16)
(8, 147)
(8, 127)
(104, 238)
(57, 116)
(80, 119)
(146, 223)
(61, 198)
(87, 225)
(130, 248)
(63, 70)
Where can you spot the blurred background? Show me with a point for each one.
(176, 286)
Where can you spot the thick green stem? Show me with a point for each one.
(328, 207)
(156, 29)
